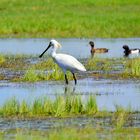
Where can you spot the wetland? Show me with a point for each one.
(34, 96)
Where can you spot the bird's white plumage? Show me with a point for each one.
(135, 51)
(68, 62)
(65, 61)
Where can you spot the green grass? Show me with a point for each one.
(2, 59)
(14, 62)
(81, 18)
(45, 69)
(68, 106)
(102, 64)
(61, 106)
(122, 68)
(132, 68)
(32, 75)
(72, 133)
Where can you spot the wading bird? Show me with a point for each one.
(97, 50)
(128, 51)
(66, 62)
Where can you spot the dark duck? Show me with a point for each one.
(128, 51)
(97, 50)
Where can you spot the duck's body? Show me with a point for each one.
(66, 62)
(97, 50)
(128, 51)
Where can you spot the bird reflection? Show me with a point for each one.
(69, 89)
(92, 55)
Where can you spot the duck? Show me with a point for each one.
(128, 51)
(97, 50)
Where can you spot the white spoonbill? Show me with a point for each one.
(65, 61)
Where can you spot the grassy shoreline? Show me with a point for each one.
(64, 19)
(23, 70)
(62, 107)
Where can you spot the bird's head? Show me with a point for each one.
(125, 47)
(54, 44)
(91, 44)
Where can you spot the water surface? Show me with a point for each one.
(109, 93)
(74, 46)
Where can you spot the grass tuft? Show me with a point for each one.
(61, 106)
(132, 67)
(91, 105)
(2, 59)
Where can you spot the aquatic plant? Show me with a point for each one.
(55, 74)
(45, 64)
(10, 108)
(30, 76)
(2, 59)
(23, 70)
(24, 108)
(15, 62)
(91, 105)
(73, 133)
(103, 64)
(61, 106)
(33, 75)
(132, 67)
(120, 117)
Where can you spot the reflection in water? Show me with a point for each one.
(108, 92)
(69, 89)
(92, 55)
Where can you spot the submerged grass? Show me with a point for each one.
(33, 75)
(24, 70)
(102, 64)
(68, 106)
(2, 59)
(132, 68)
(123, 68)
(77, 18)
(120, 117)
(73, 133)
(14, 62)
(61, 106)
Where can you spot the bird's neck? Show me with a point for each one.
(53, 53)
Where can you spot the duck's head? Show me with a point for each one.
(91, 44)
(125, 47)
(54, 44)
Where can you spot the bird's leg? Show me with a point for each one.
(66, 79)
(74, 77)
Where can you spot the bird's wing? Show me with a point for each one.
(69, 62)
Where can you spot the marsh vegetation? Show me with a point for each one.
(22, 68)
(68, 133)
(80, 19)
(76, 19)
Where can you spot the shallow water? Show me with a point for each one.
(76, 47)
(50, 123)
(11, 126)
(108, 92)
